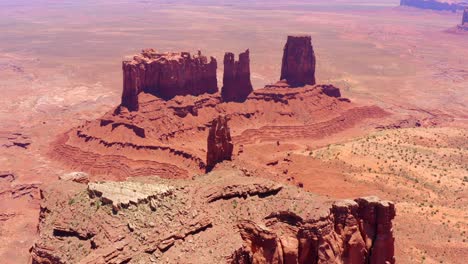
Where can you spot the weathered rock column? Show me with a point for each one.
(220, 145)
(465, 16)
(298, 67)
(236, 80)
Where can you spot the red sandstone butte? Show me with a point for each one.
(220, 145)
(236, 80)
(167, 75)
(298, 67)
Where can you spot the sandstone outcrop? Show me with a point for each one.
(354, 232)
(220, 145)
(14, 139)
(77, 176)
(243, 191)
(122, 194)
(7, 176)
(298, 67)
(167, 75)
(236, 79)
(435, 4)
(331, 90)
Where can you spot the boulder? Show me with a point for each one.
(298, 67)
(77, 176)
(331, 90)
(236, 80)
(220, 145)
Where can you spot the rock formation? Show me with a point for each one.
(167, 75)
(14, 139)
(236, 79)
(298, 67)
(355, 232)
(277, 223)
(122, 194)
(463, 27)
(220, 145)
(169, 138)
(331, 90)
(435, 4)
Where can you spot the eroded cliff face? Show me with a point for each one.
(236, 79)
(219, 143)
(298, 67)
(354, 232)
(167, 75)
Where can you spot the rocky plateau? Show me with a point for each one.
(223, 216)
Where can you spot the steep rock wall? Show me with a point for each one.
(167, 75)
(355, 232)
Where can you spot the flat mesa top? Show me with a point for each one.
(300, 36)
(152, 55)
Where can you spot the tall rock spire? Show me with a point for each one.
(465, 16)
(220, 145)
(236, 80)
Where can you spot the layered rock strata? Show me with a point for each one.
(168, 135)
(219, 143)
(169, 138)
(298, 66)
(123, 194)
(167, 75)
(236, 79)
